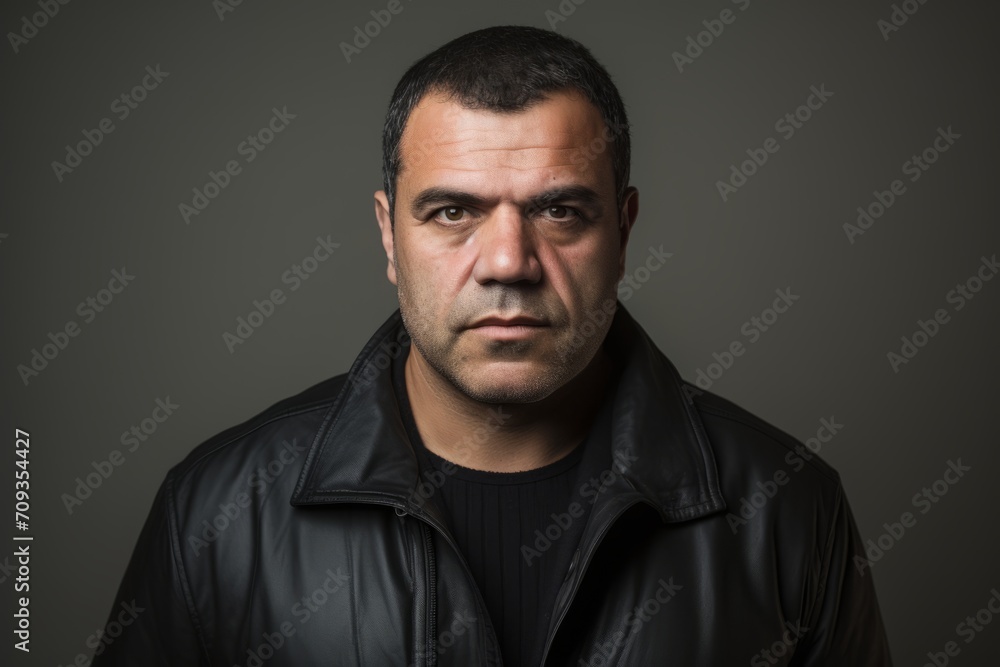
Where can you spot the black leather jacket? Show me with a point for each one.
(299, 538)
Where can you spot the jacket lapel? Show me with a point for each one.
(362, 453)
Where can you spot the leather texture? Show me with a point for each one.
(301, 537)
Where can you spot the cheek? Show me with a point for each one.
(435, 272)
(587, 270)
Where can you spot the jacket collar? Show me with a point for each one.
(362, 452)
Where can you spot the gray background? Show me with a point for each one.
(826, 357)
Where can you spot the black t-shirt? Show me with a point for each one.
(519, 553)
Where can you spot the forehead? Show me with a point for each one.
(558, 140)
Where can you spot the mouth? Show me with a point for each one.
(518, 320)
(508, 328)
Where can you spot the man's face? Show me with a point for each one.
(476, 238)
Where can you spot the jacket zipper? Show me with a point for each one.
(431, 597)
(582, 570)
(401, 509)
(481, 603)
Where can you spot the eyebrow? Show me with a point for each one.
(438, 196)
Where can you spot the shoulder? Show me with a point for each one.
(764, 470)
(745, 439)
(250, 456)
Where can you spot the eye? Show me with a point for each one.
(562, 213)
(450, 213)
(558, 212)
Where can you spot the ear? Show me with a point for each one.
(385, 225)
(626, 218)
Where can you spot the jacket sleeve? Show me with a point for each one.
(151, 621)
(846, 625)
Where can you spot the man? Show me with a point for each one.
(530, 481)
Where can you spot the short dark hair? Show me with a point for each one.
(506, 69)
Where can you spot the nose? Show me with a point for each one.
(507, 249)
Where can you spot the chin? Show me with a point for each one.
(523, 386)
(505, 394)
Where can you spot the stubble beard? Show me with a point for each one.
(436, 342)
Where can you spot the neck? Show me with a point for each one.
(510, 437)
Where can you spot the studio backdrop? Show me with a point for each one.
(168, 168)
